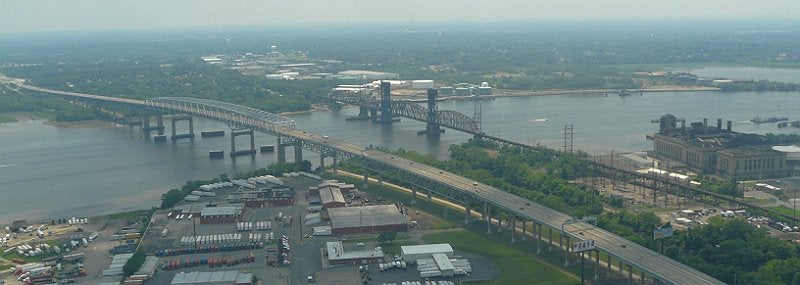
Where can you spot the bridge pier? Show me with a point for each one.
(549, 238)
(236, 133)
(596, 263)
(488, 217)
(608, 264)
(281, 151)
(366, 179)
(524, 229)
(175, 135)
(538, 237)
(467, 212)
(566, 249)
(513, 223)
(334, 164)
(298, 152)
(363, 112)
(147, 128)
(131, 122)
(630, 274)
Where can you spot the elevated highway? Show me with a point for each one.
(441, 182)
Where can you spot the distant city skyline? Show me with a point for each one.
(24, 16)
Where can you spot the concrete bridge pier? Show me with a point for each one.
(334, 164)
(630, 274)
(513, 223)
(132, 122)
(608, 264)
(298, 152)
(524, 229)
(566, 249)
(366, 179)
(363, 112)
(281, 153)
(373, 114)
(467, 211)
(236, 133)
(175, 135)
(488, 217)
(538, 237)
(549, 238)
(596, 263)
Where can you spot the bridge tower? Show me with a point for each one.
(286, 141)
(432, 127)
(386, 102)
(175, 135)
(236, 133)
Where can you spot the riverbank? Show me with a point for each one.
(660, 88)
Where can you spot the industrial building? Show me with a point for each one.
(422, 84)
(367, 219)
(369, 75)
(219, 215)
(336, 254)
(331, 194)
(716, 150)
(415, 252)
(270, 196)
(213, 278)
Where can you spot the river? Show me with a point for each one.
(49, 171)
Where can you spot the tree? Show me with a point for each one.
(133, 264)
(386, 237)
(171, 198)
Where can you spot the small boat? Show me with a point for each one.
(541, 120)
(783, 124)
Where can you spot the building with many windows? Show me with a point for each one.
(717, 151)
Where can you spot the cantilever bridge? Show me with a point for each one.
(471, 195)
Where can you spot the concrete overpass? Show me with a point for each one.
(436, 181)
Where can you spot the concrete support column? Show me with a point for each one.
(191, 127)
(159, 124)
(298, 152)
(538, 237)
(233, 144)
(334, 164)
(566, 249)
(252, 142)
(467, 212)
(608, 264)
(321, 164)
(430, 196)
(596, 263)
(281, 151)
(413, 194)
(174, 132)
(630, 274)
(366, 179)
(621, 268)
(513, 227)
(641, 277)
(488, 218)
(524, 229)
(549, 239)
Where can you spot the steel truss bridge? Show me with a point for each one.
(414, 111)
(433, 180)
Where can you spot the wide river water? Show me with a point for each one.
(48, 171)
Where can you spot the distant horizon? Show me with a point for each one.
(516, 25)
(31, 16)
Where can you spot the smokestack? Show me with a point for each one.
(729, 126)
(719, 124)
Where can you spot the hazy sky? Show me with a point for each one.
(60, 15)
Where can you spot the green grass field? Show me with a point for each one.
(516, 267)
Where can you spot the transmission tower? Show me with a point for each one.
(568, 137)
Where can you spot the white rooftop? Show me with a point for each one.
(443, 262)
(336, 252)
(195, 277)
(426, 249)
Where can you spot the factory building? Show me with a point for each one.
(367, 219)
(220, 215)
(336, 254)
(717, 150)
(330, 194)
(422, 84)
(368, 74)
